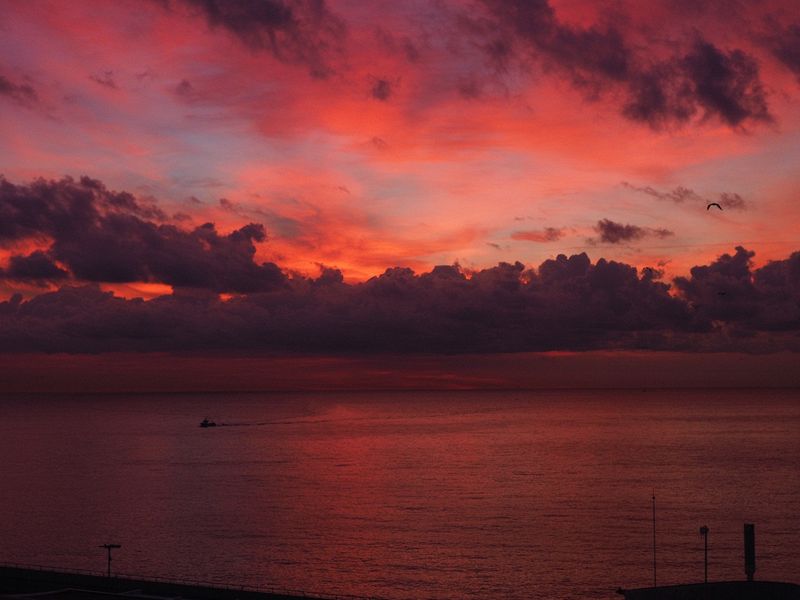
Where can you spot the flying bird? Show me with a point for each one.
(713, 204)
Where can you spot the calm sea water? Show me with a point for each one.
(406, 495)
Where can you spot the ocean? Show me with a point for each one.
(443, 495)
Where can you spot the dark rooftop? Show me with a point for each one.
(720, 590)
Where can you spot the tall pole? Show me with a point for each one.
(654, 539)
(749, 550)
(704, 533)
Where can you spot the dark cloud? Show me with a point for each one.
(381, 90)
(106, 236)
(397, 45)
(785, 45)
(184, 88)
(145, 76)
(730, 296)
(702, 80)
(548, 234)
(726, 85)
(106, 79)
(568, 303)
(410, 50)
(723, 290)
(723, 85)
(293, 31)
(679, 195)
(585, 53)
(682, 194)
(22, 93)
(661, 232)
(36, 267)
(732, 200)
(379, 143)
(616, 233)
(469, 88)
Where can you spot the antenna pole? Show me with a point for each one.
(654, 539)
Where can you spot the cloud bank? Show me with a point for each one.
(568, 303)
(88, 235)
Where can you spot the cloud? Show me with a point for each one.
(379, 143)
(581, 51)
(725, 85)
(381, 90)
(106, 236)
(548, 234)
(298, 32)
(567, 303)
(680, 194)
(106, 79)
(732, 297)
(94, 235)
(36, 267)
(185, 89)
(784, 43)
(724, 289)
(21, 93)
(700, 79)
(616, 233)
(732, 200)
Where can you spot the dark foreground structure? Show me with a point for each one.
(721, 590)
(35, 583)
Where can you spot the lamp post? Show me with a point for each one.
(109, 547)
(704, 533)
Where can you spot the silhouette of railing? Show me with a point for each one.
(258, 589)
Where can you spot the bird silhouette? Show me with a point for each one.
(713, 204)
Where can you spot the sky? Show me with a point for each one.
(336, 178)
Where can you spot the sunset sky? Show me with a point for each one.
(336, 177)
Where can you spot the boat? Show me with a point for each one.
(206, 423)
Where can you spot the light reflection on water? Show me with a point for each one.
(407, 495)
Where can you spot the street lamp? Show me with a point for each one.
(109, 547)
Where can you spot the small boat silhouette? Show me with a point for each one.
(206, 423)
